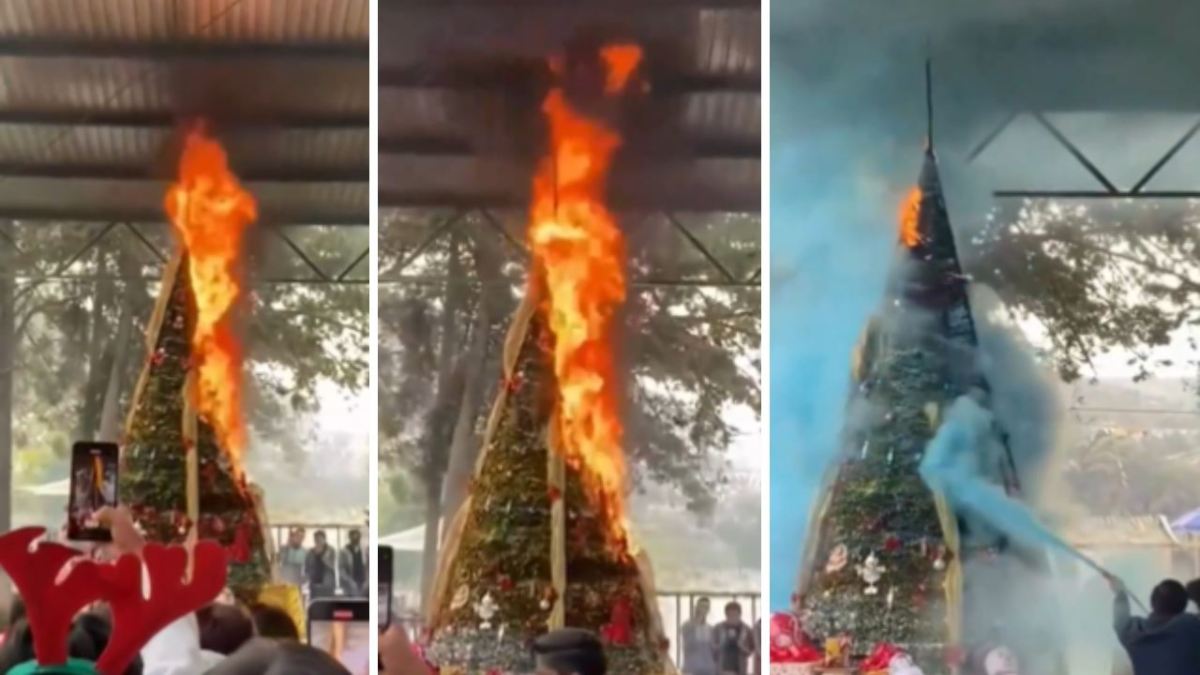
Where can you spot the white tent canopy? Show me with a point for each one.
(412, 539)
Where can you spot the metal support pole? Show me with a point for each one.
(8, 349)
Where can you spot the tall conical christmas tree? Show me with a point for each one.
(175, 474)
(529, 550)
(882, 564)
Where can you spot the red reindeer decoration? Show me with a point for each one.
(57, 582)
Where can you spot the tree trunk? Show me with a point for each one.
(438, 432)
(110, 409)
(429, 555)
(464, 446)
(99, 353)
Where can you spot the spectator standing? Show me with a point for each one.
(732, 642)
(698, 642)
(319, 568)
(291, 558)
(352, 563)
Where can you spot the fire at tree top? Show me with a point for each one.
(579, 254)
(210, 212)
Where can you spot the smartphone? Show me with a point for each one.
(385, 587)
(342, 629)
(93, 486)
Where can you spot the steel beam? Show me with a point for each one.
(169, 119)
(207, 50)
(1092, 194)
(281, 174)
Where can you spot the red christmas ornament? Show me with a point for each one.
(159, 356)
(239, 550)
(554, 494)
(505, 582)
(892, 544)
(619, 629)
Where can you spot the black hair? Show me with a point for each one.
(1193, 591)
(223, 628)
(297, 659)
(319, 533)
(272, 622)
(1169, 598)
(87, 640)
(732, 605)
(268, 657)
(569, 651)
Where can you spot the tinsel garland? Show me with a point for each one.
(153, 480)
(504, 553)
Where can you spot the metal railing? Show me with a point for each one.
(674, 607)
(337, 535)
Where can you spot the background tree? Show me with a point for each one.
(1097, 276)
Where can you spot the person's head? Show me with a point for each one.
(355, 537)
(733, 611)
(87, 640)
(700, 611)
(272, 622)
(294, 658)
(296, 536)
(569, 651)
(1169, 598)
(223, 628)
(319, 538)
(1193, 591)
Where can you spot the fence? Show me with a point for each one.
(337, 535)
(674, 607)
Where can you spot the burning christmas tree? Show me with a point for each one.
(184, 435)
(882, 565)
(541, 541)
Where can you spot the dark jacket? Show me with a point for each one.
(1158, 645)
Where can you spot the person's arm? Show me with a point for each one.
(1123, 622)
(396, 654)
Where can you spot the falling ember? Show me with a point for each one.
(210, 211)
(579, 257)
(910, 214)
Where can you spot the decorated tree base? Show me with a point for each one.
(163, 435)
(527, 551)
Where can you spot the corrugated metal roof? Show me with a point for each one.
(277, 21)
(93, 92)
(253, 87)
(459, 115)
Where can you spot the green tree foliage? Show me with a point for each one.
(1096, 276)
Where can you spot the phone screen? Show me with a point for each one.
(385, 587)
(93, 486)
(344, 634)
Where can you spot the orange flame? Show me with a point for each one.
(579, 254)
(910, 214)
(211, 211)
